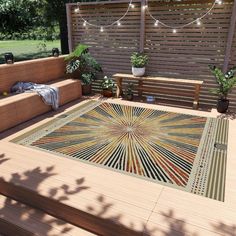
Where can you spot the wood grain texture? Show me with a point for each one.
(143, 87)
(19, 219)
(127, 201)
(22, 107)
(184, 55)
(37, 71)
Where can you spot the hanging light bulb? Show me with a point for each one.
(156, 23)
(198, 22)
(144, 7)
(77, 10)
(219, 2)
(85, 23)
(174, 31)
(131, 5)
(101, 29)
(118, 23)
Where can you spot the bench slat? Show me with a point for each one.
(142, 88)
(161, 79)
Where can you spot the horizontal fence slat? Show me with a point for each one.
(184, 55)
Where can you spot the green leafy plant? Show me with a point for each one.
(107, 84)
(225, 81)
(129, 89)
(139, 60)
(81, 61)
(79, 50)
(87, 78)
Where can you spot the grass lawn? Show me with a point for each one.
(27, 49)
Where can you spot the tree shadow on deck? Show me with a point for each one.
(21, 214)
(229, 115)
(3, 159)
(100, 211)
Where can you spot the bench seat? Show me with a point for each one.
(16, 109)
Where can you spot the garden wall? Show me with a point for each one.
(185, 54)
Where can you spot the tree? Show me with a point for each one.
(55, 11)
(19, 15)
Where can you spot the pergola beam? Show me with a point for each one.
(142, 26)
(230, 38)
(68, 15)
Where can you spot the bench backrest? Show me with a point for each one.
(38, 71)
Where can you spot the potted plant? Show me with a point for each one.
(129, 92)
(226, 82)
(138, 61)
(107, 87)
(86, 83)
(81, 65)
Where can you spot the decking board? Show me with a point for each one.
(133, 204)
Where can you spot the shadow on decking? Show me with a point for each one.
(3, 159)
(96, 210)
(229, 115)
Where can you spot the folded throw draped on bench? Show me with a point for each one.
(49, 94)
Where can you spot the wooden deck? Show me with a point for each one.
(105, 202)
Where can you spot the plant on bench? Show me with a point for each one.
(81, 65)
(138, 61)
(226, 82)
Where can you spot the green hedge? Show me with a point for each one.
(40, 33)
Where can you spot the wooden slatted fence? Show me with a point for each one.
(185, 54)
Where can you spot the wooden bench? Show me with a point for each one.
(18, 108)
(141, 88)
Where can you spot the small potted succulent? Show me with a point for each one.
(226, 82)
(138, 61)
(81, 65)
(107, 87)
(129, 92)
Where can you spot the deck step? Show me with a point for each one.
(22, 220)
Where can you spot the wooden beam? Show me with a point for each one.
(103, 2)
(230, 38)
(142, 26)
(68, 14)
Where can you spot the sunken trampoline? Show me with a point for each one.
(177, 150)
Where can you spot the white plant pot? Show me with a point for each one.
(138, 71)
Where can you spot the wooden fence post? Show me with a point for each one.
(68, 14)
(142, 26)
(230, 38)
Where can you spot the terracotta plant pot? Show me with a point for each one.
(107, 93)
(222, 105)
(86, 89)
(138, 72)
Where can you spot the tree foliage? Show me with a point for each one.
(20, 15)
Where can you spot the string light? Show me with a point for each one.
(174, 28)
(77, 10)
(198, 22)
(156, 23)
(102, 27)
(144, 7)
(131, 5)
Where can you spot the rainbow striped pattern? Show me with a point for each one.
(182, 151)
